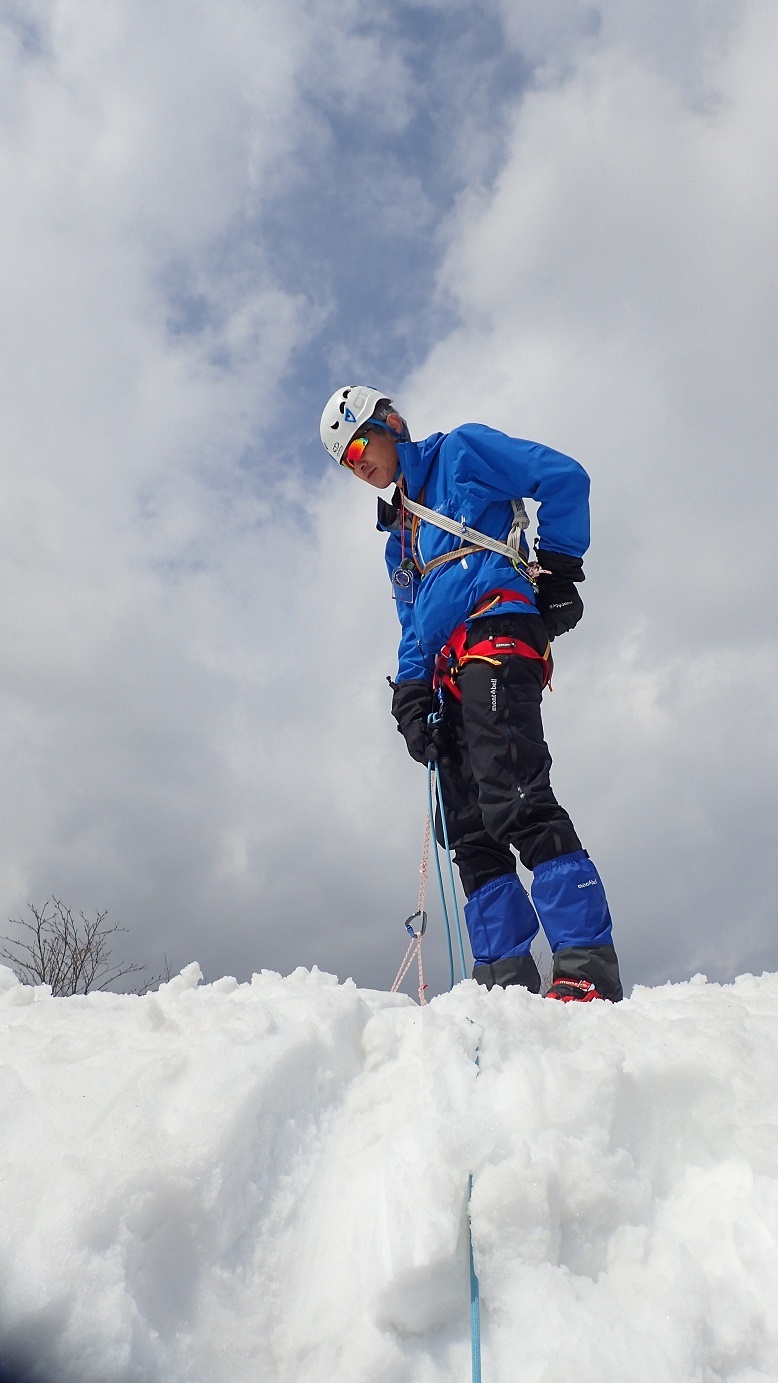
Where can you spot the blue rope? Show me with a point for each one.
(440, 880)
(452, 885)
(475, 1300)
(475, 1297)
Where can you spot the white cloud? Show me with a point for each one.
(195, 723)
(617, 298)
(161, 677)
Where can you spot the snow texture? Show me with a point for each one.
(228, 1183)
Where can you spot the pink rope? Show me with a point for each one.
(425, 855)
(414, 950)
(414, 946)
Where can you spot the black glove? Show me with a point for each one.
(558, 601)
(411, 706)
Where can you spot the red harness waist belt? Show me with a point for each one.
(453, 655)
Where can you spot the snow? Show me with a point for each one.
(268, 1182)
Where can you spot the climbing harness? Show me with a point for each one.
(511, 548)
(472, 541)
(454, 655)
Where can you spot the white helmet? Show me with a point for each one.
(345, 413)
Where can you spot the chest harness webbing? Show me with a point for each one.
(454, 655)
(472, 540)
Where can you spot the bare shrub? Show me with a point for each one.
(73, 955)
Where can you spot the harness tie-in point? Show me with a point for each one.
(454, 654)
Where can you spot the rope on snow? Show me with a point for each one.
(414, 951)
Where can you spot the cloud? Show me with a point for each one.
(617, 300)
(195, 718)
(564, 228)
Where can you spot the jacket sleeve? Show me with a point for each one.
(488, 465)
(410, 661)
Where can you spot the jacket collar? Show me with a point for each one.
(415, 460)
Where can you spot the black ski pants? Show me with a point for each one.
(495, 766)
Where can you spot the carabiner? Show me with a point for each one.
(409, 927)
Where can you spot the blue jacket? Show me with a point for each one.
(473, 473)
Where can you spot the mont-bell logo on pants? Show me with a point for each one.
(493, 690)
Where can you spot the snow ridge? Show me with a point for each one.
(268, 1181)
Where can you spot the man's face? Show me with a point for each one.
(378, 463)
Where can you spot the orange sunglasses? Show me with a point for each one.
(354, 451)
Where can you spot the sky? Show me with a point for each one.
(556, 219)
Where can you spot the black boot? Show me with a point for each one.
(596, 964)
